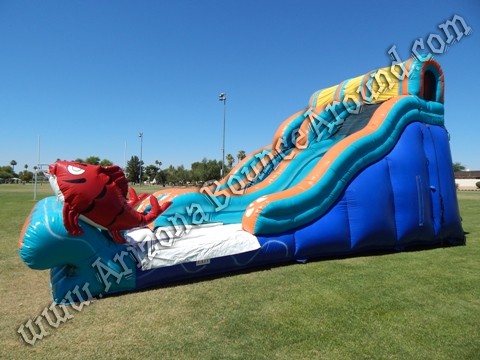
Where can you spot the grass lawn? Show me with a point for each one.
(410, 305)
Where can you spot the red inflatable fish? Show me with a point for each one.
(99, 195)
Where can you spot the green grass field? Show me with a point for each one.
(411, 305)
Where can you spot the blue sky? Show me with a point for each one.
(85, 77)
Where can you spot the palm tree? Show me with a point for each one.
(241, 155)
(230, 160)
(13, 163)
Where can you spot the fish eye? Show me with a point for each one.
(75, 170)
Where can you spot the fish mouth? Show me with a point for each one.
(76, 181)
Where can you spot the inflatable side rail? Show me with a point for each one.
(413, 77)
(315, 194)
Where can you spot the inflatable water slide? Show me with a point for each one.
(366, 165)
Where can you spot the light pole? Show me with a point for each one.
(140, 135)
(223, 97)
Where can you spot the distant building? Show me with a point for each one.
(466, 180)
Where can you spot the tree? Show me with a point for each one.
(13, 163)
(214, 168)
(241, 155)
(171, 174)
(151, 172)
(106, 162)
(133, 169)
(178, 175)
(183, 174)
(457, 166)
(25, 175)
(94, 160)
(206, 170)
(230, 160)
(199, 170)
(6, 172)
(161, 177)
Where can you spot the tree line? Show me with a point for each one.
(137, 172)
(199, 172)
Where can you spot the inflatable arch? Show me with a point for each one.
(365, 165)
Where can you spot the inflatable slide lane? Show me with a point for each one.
(366, 165)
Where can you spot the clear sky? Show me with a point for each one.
(85, 77)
